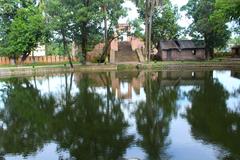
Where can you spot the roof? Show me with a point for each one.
(235, 47)
(191, 44)
(182, 44)
(166, 45)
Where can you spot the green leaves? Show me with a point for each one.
(21, 31)
(208, 23)
(230, 8)
(165, 26)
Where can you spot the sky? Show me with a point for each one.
(133, 14)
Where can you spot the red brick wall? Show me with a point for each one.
(95, 53)
(38, 59)
(114, 45)
(184, 55)
(98, 49)
(136, 43)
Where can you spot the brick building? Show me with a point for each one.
(236, 51)
(181, 50)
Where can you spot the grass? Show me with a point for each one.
(125, 66)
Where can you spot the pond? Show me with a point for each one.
(190, 115)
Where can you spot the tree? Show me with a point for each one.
(165, 26)
(58, 22)
(78, 22)
(230, 8)
(207, 25)
(112, 10)
(85, 23)
(22, 28)
(146, 9)
(231, 11)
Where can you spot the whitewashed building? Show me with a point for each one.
(39, 51)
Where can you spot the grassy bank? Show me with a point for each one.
(6, 71)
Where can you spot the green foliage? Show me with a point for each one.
(234, 41)
(165, 26)
(81, 21)
(137, 30)
(55, 48)
(21, 29)
(114, 12)
(230, 9)
(58, 20)
(206, 24)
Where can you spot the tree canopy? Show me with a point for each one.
(85, 23)
(21, 28)
(165, 26)
(207, 25)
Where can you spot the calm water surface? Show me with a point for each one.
(116, 115)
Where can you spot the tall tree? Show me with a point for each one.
(112, 10)
(165, 26)
(58, 22)
(230, 8)
(21, 28)
(85, 23)
(146, 9)
(231, 11)
(207, 25)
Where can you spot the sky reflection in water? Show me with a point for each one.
(146, 115)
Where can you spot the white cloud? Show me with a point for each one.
(132, 12)
(184, 21)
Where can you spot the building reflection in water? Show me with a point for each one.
(83, 114)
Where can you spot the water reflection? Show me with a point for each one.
(153, 116)
(92, 126)
(24, 118)
(87, 117)
(210, 119)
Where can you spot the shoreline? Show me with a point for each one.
(170, 66)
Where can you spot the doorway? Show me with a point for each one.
(169, 55)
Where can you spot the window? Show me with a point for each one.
(194, 52)
(193, 74)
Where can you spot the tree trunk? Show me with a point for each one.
(106, 49)
(146, 29)
(14, 59)
(150, 32)
(211, 53)
(105, 25)
(65, 49)
(33, 57)
(84, 42)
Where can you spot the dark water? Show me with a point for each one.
(111, 116)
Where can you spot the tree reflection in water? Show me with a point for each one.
(153, 117)
(210, 119)
(25, 118)
(89, 125)
(89, 122)
(95, 129)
